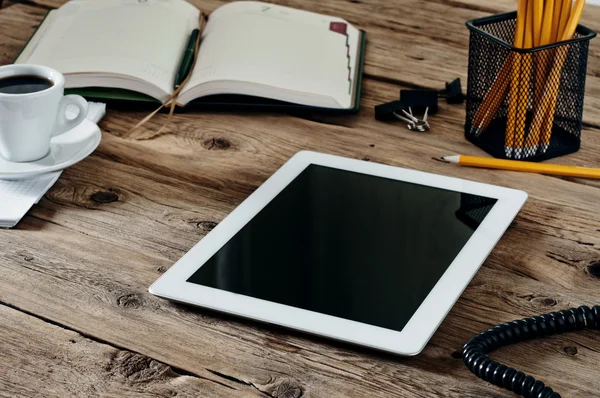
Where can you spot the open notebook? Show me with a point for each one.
(17, 196)
(253, 50)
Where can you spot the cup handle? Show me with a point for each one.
(63, 124)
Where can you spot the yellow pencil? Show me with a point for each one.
(574, 18)
(525, 71)
(493, 98)
(546, 133)
(515, 84)
(538, 15)
(565, 14)
(540, 66)
(496, 95)
(548, 19)
(558, 4)
(544, 115)
(545, 39)
(529, 167)
(543, 60)
(529, 42)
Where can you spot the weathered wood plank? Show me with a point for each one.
(41, 359)
(205, 184)
(113, 223)
(193, 200)
(105, 295)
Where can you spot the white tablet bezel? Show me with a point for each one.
(411, 340)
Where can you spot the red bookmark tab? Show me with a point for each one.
(339, 27)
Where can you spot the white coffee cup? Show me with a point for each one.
(29, 121)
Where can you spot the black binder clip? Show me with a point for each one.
(453, 92)
(385, 112)
(420, 100)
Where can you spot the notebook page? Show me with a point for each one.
(305, 17)
(141, 39)
(276, 46)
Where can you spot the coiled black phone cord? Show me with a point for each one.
(475, 351)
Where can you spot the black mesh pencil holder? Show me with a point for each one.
(524, 104)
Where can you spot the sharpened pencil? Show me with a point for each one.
(529, 167)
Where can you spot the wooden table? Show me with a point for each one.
(77, 320)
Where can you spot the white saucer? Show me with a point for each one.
(65, 150)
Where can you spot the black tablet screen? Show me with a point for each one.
(351, 245)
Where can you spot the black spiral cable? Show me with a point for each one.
(475, 351)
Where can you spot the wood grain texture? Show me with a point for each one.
(41, 359)
(84, 257)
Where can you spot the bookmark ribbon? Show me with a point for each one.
(339, 27)
(171, 101)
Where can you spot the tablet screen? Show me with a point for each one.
(354, 246)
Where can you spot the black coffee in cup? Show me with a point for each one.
(24, 84)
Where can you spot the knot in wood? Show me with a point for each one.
(288, 389)
(216, 144)
(456, 354)
(103, 197)
(549, 302)
(545, 301)
(594, 270)
(130, 301)
(205, 226)
(139, 368)
(571, 351)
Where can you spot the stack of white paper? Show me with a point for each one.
(18, 196)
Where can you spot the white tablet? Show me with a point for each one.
(355, 251)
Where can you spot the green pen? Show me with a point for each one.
(188, 58)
